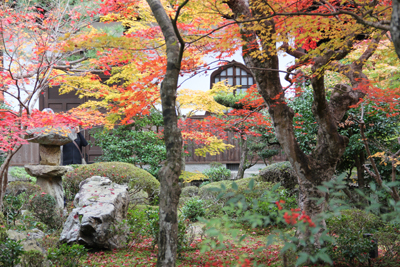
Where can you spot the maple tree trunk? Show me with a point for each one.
(1, 68)
(395, 26)
(169, 173)
(360, 160)
(243, 159)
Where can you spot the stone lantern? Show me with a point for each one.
(49, 172)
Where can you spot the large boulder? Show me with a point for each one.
(281, 172)
(96, 221)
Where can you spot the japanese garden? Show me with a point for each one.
(199, 133)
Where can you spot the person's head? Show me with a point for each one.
(48, 110)
(75, 129)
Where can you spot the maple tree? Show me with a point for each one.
(323, 42)
(31, 39)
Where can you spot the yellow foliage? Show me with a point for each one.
(386, 158)
(188, 177)
(204, 100)
(213, 146)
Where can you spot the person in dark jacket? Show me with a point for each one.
(71, 154)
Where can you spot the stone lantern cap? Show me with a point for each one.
(55, 136)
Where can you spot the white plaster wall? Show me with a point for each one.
(202, 81)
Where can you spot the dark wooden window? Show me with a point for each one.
(233, 73)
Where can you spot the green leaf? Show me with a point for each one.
(303, 257)
(234, 186)
(323, 189)
(251, 184)
(325, 257)
(288, 246)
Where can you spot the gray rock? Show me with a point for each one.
(100, 207)
(54, 188)
(50, 155)
(47, 171)
(280, 172)
(55, 136)
(30, 239)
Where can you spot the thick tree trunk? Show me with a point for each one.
(169, 173)
(243, 159)
(308, 195)
(360, 160)
(395, 26)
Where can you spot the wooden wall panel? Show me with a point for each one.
(27, 154)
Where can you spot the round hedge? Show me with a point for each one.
(190, 191)
(206, 191)
(280, 172)
(355, 220)
(118, 172)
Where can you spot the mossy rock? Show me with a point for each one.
(206, 191)
(118, 172)
(280, 172)
(355, 220)
(190, 191)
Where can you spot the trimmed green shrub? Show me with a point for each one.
(66, 255)
(213, 208)
(25, 190)
(21, 174)
(217, 174)
(355, 220)
(12, 208)
(182, 201)
(280, 172)
(10, 252)
(207, 192)
(43, 208)
(388, 239)
(18, 187)
(32, 258)
(351, 246)
(193, 209)
(350, 228)
(129, 144)
(190, 191)
(256, 198)
(118, 172)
